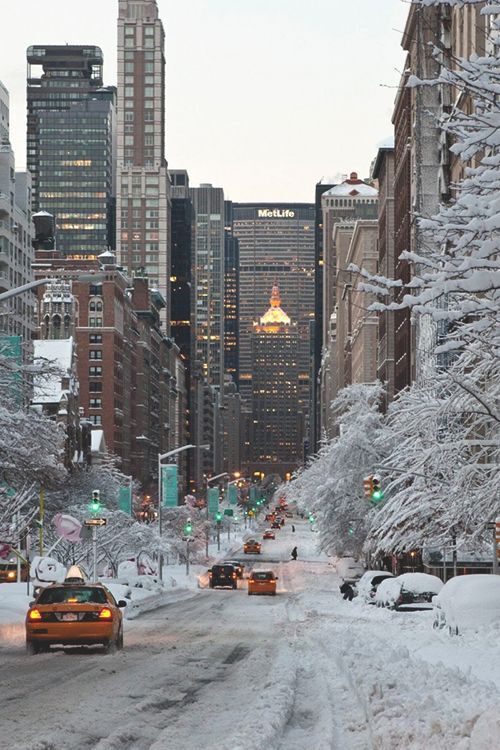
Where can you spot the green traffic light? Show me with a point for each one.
(95, 506)
(377, 495)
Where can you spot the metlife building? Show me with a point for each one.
(276, 243)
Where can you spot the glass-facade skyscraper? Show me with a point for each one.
(76, 173)
(58, 76)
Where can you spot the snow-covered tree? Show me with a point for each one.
(332, 485)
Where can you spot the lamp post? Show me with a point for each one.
(161, 457)
(209, 480)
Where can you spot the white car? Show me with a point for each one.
(369, 582)
(409, 591)
(468, 603)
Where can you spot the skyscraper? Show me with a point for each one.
(231, 296)
(76, 173)
(276, 242)
(208, 279)
(142, 211)
(58, 76)
(276, 432)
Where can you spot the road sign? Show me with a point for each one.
(95, 522)
(228, 512)
(125, 499)
(232, 495)
(213, 501)
(169, 483)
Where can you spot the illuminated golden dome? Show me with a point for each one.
(275, 315)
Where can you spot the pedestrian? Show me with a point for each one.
(294, 553)
(347, 590)
(293, 528)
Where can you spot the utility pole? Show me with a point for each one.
(94, 552)
(40, 518)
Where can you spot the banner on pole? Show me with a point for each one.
(169, 484)
(232, 494)
(253, 494)
(213, 501)
(125, 500)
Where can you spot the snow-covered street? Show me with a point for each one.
(223, 670)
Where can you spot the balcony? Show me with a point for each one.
(4, 258)
(4, 204)
(4, 282)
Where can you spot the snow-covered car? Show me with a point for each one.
(409, 591)
(349, 570)
(269, 534)
(367, 585)
(468, 603)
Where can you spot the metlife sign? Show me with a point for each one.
(275, 213)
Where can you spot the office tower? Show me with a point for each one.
(58, 76)
(182, 241)
(231, 296)
(276, 431)
(208, 279)
(76, 172)
(142, 207)
(16, 235)
(276, 242)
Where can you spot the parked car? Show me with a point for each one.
(349, 570)
(223, 576)
(251, 547)
(269, 534)
(367, 585)
(262, 582)
(410, 591)
(468, 603)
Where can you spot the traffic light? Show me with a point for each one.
(350, 530)
(311, 518)
(218, 517)
(188, 528)
(95, 503)
(377, 494)
(368, 486)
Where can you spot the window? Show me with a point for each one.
(95, 322)
(95, 403)
(95, 305)
(95, 418)
(95, 354)
(95, 338)
(95, 387)
(95, 372)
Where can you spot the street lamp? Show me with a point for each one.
(208, 481)
(161, 457)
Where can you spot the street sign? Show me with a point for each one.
(232, 494)
(213, 501)
(95, 522)
(125, 499)
(169, 484)
(228, 512)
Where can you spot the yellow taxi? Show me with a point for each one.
(262, 582)
(252, 547)
(75, 612)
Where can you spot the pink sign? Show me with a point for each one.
(67, 527)
(4, 550)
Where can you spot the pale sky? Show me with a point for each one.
(264, 97)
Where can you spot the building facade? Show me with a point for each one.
(208, 281)
(276, 242)
(58, 76)
(143, 186)
(16, 235)
(277, 427)
(231, 296)
(76, 172)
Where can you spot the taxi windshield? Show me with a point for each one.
(77, 595)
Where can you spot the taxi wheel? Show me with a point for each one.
(32, 648)
(119, 640)
(110, 647)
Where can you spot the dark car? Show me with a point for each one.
(238, 566)
(223, 576)
(276, 525)
(8, 572)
